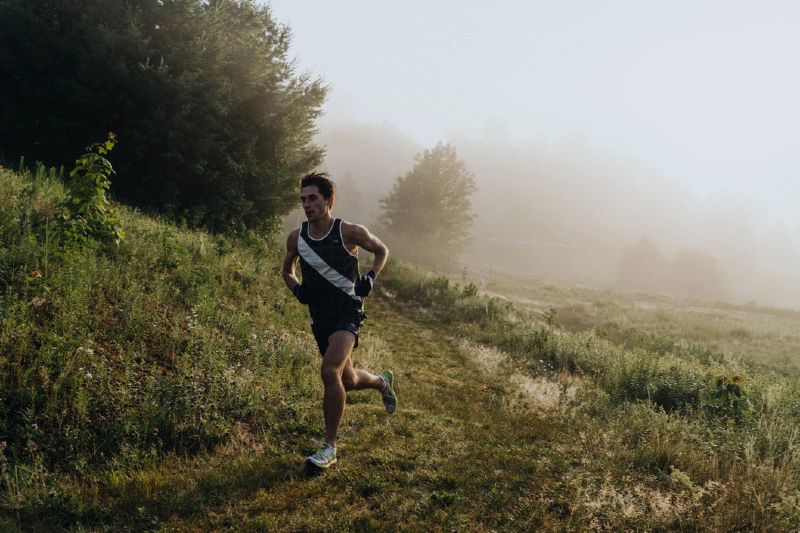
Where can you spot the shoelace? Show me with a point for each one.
(321, 453)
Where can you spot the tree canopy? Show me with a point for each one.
(427, 215)
(216, 123)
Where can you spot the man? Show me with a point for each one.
(333, 289)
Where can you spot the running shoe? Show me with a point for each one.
(389, 397)
(325, 456)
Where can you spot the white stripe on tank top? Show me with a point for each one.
(325, 270)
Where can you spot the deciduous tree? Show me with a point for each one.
(216, 122)
(428, 215)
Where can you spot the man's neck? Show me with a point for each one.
(321, 228)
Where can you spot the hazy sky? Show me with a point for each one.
(705, 92)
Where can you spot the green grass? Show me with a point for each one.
(172, 384)
(769, 337)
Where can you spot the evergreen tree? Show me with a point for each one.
(427, 215)
(215, 120)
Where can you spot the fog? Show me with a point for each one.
(641, 145)
(569, 211)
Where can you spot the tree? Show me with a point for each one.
(216, 123)
(643, 267)
(699, 275)
(349, 204)
(427, 215)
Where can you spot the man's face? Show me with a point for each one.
(314, 204)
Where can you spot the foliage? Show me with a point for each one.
(550, 318)
(727, 397)
(174, 385)
(138, 352)
(427, 215)
(87, 212)
(217, 122)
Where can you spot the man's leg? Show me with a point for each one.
(338, 377)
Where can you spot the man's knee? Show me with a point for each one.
(330, 374)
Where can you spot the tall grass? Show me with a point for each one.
(657, 391)
(165, 343)
(180, 346)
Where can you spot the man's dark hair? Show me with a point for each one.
(324, 185)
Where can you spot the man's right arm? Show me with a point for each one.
(289, 264)
(290, 260)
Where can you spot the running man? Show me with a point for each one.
(334, 291)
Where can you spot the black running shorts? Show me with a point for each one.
(323, 326)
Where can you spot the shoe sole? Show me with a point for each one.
(323, 467)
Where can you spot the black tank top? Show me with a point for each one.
(330, 271)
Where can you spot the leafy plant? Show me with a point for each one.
(550, 318)
(172, 252)
(470, 291)
(87, 212)
(728, 397)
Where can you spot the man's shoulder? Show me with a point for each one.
(350, 229)
(292, 238)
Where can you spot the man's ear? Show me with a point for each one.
(331, 201)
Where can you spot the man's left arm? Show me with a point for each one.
(360, 236)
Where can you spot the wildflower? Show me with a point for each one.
(36, 274)
(35, 426)
(88, 375)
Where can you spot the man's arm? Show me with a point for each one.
(290, 260)
(355, 234)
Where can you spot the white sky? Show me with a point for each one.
(706, 92)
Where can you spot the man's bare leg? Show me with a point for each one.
(338, 377)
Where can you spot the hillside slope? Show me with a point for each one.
(171, 383)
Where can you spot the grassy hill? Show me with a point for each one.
(171, 384)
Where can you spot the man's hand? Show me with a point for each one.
(302, 294)
(364, 285)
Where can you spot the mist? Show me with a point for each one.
(606, 140)
(571, 211)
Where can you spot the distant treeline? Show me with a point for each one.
(642, 266)
(214, 122)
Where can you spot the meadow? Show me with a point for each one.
(170, 383)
